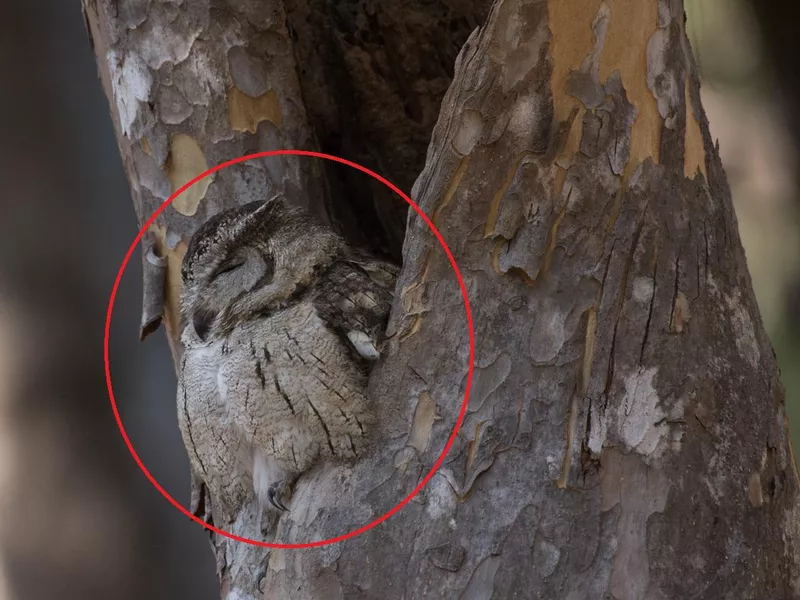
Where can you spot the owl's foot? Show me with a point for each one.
(278, 490)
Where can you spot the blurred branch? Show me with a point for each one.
(779, 36)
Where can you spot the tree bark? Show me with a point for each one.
(626, 435)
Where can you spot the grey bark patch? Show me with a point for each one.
(481, 584)
(596, 133)
(622, 115)
(131, 83)
(173, 107)
(469, 131)
(586, 88)
(249, 73)
(487, 379)
(662, 77)
(624, 479)
(133, 13)
(154, 278)
(548, 333)
(167, 35)
(447, 557)
(546, 556)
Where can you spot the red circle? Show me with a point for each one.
(464, 403)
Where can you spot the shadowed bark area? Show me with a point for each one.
(626, 435)
(195, 86)
(373, 74)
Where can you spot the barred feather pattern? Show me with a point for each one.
(274, 374)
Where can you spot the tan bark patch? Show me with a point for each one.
(421, 428)
(452, 187)
(246, 112)
(572, 414)
(472, 446)
(499, 244)
(172, 289)
(631, 24)
(552, 238)
(186, 161)
(680, 313)
(754, 492)
(494, 205)
(694, 156)
(572, 419)
(573, 39)
(414, 299)
(413, 303)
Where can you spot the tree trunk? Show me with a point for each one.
(626, 435)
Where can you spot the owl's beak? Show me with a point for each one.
(201, 321)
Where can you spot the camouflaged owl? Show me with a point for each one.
(281, 319)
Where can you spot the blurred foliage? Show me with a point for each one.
(727, 44)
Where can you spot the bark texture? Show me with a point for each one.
(194, 84)
(373, 74)
(626, 435)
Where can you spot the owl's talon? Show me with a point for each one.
(274, 496)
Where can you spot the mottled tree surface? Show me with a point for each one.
(626, 435)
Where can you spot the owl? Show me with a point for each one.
(280, 322)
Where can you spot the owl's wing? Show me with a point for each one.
(210, 442)
(293, 391)
(294, 382)
(354, 299)
(197, 503)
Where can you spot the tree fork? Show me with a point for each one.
(626, 434)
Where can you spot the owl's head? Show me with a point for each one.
(247, 261)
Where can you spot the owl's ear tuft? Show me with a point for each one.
(277, 200)
(261, 212)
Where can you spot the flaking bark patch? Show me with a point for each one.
(424, 415)
(185, 162)
(246, 112)
(695, 154)
(173, 249)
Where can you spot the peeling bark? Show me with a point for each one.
(626, 434)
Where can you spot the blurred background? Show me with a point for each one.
(78, 519)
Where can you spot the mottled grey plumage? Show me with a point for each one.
(280, 321)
